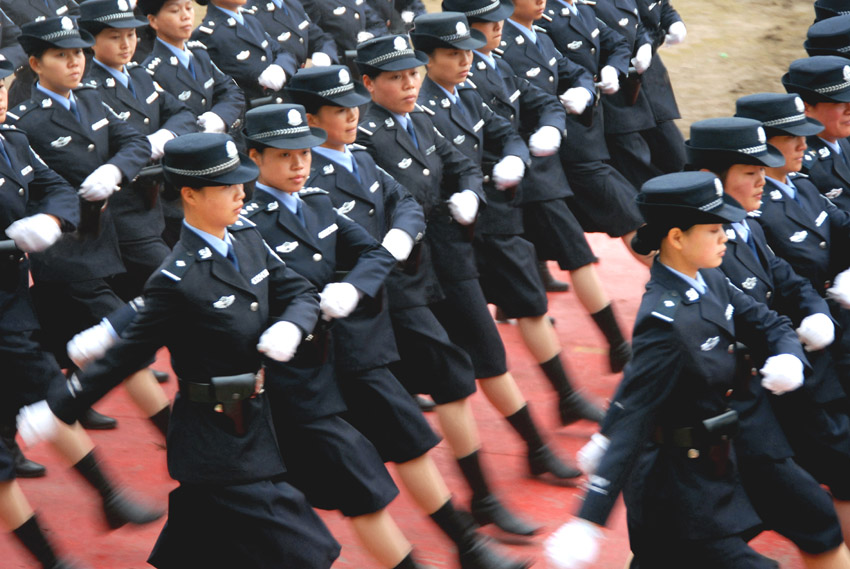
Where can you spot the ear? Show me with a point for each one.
(188, 195)
(35, 63)
(367, 82)
(313, 120)
(255, 155)
(675, 238)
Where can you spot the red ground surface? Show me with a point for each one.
(135, 455)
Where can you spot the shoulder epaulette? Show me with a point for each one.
(546, 17)
(195, 44)
(153, 64)
(90, 84)
(667, 306)
(24, 108)
(131, 64)
(364, 130)
(754, 213)
(241, 223)
(312, 192)
(177, 269)
(10, 127)
(355, 146)
(793, 175)
(205, 29)
(537, 28)
(428, 111)
(587, 2)
(468, 84)
(251, 208)
(498, 51)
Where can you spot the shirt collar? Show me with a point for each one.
(698, 283)
(401, 119)
(235, 15)
(833, 145)
(789, 189)
(66, 103)
(121, 76)
(219, 245)
(488, 59)
(343, 158)
(289, 201)
(452, 96)
(182, 55)
(572, 7)
(742, 229)
(531, 35)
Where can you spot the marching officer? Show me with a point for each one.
(288, 22)
(349, 22)
(825, 9)
(828, 37)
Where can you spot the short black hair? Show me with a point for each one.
(34, 47)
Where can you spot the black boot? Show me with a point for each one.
(160, 419)
(473, 550)
(30, 535)
(572, 406)
(425, 405)
(619, 350)
(118, 507)
(551, 283)
(541, 459)
(160, 376)
(486, 508)
(24, 467)
(94, 421)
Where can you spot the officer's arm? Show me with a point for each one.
(374, 23)
(500, 137)
(174, 115)
(616, 50)
(318, 40)
(282, 57)
(370, 263)
(574, 75)
(669, 15)
(129, 149)
(11, 50)
(456, 165)
(402, 209)
(292, 298)
(51, 194)
(228, 99)
(535, 102)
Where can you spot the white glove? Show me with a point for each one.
(158, 140)
(101, 183)
(609, 80)
(407, 16)
(36, 423)
(280, 341)
(464, 207)
(840, 289)
(575, 100)
(320, 59)
(591, 453)
(816, 332)
(676, 33)
(545, 141)
(364, 36)
(273, 77)
(782, 373)
(91, 343)
(398, 243)
(211, 122)
(508, 172)
(35, 233)
(338, 300)
(642, 58)
(574, 545)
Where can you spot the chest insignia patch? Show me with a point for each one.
(224, 301)
(710, 344)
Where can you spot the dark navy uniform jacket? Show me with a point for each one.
(432, 173)
(389, 12)
(74, 149)
(485, 137)
(150, 109)
(527, 108)
(27, 187)
(293, 30)
(210, 89)
(10, 49)
(378, 203)
(305, 388)
(828, 172)
(242, 51)
(682, 372)
(656, 16)
(210, 317)
(344, 19)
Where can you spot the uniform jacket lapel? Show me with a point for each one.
(220, 267)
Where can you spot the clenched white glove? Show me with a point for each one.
(36, 423)
(91, 343)
(320, 59)
(211, 122)
(840, 289)
(676, 33)
(464, 207)
(782, 373)
(816, 332)
(273, 77)
(338, 300)
(545, 141)
(101, 183)
(609, 80)
(364, 36)
(508, 172)
(158, 140)
(280, 341)
(35, 233)
(574, 545)
(642, 58)
(407, 16)
(591, 453)
(398, 243)
(575, 100)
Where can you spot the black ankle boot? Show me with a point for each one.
(24, 467)
(541, 459)
(94, 421)
(160, 376)
(572, 406)
(619, 352)
(551, 283)
(160, 419)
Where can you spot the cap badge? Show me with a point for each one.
(294, 117)
(230, 148)
(799, 103)
(762, 136)
(344, 77)
(399, 43)
(718, 187)
(67, 23)
(123, 6)
(462, 31)
(847, 72)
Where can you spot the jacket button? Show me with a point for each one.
(592, 50)
(203, 101)
(768, 294)
(731, 348)
(371, 212)
(551, 79)
(822, 244)
(317, 257)
(729, 392)
(255, 306)
(356, 16)
(754, 372)
(693, 453)
(91, 148)
(21, 192)
(262, 58)
(475, 146)
(147, 120)
(426, 172)
(301, 40)
(486, 179)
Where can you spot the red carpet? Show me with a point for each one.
(70, 512)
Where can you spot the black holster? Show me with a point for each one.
(227, 392)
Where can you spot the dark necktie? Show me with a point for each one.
(231, 256)
(131, 88)
(752, 244)
(74, 109)
(191, 67)
(299, 213)
(412, 132)
(4, 154)
(354, 169)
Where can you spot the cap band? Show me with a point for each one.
(489, 8)
(61, 34)
(114, 17)
(389, 56)
(753, 149)
(336, 90)
(711, 205)
(833, 88)
(454, 37)
(785, 120)
(280, 132)
(226, 166)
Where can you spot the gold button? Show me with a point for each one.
(426, 172)
(255, 306)
(91, 148)
(486, 179)
(317, 257)
(219, 408)
(822, 244)
(693, 453)
(754, 372)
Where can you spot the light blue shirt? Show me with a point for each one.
(698, 283)
(182, 55)
(452, 96)
(218, 245)
(572, 7)
(278, 3)
(66, 103)
(833, 145)
(121, 76)
(789, 189)
(530, 34)
(344, 158)
(289, 201)
(402, 119)
(487, 58)
(235, 15)
(742, 229)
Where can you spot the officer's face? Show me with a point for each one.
(229, 4)
(745, 183)
(492, 31)
(700, 247)
(213, 208)
(175, 20)
(396, 91)
(448, 66)
(835, 118)
(526, 11)
(339, 122)
(792, 148)
(114, 47)
(4, 101)
(286, 170)
(59, 70)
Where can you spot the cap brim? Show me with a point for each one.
(730, 212)
(805, 128)
(503, 12)
(419, 58)
(85, 40)
(119, 24)
(360, 96)
(842, 96)
(7, 68)
(246, 172)
(428, 42)
(317, 137)
(772, 158)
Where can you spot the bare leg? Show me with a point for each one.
(539, 337)
(503, 393)
(424, 482)
(458, 426)
(146, 392)
(588, 288)
(838, 558)
(380, 535)
(14, 508)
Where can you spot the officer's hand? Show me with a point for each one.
(676, 33)
(782, 373)
(36, 423)
(273, 77)
(407, 16)
(211, 122)
(609, 80)
(642, 58)
(101, 183)
(364, 36)
(840, 289)
(280, 341)
(320, 59)
(338, 300)
(591, 453)
(398, 243)
(464, 207)
(574, 545)
(35, 233)
(91, 343)
(545, 141)
(816, 332)
(508, 172)
(157, 141)
(575, 100)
